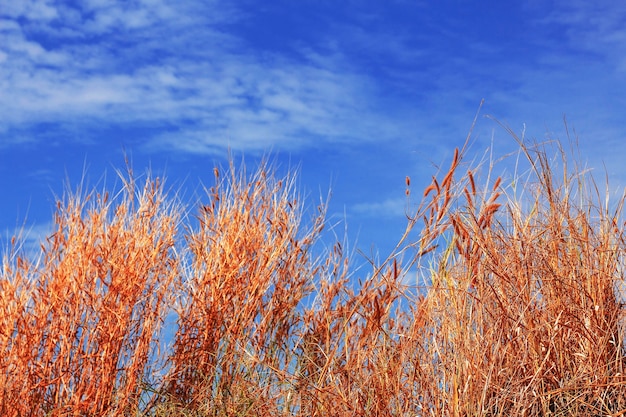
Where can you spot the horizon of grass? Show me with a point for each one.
(502, 297)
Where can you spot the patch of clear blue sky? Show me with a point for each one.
(358, 94)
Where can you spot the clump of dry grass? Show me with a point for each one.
(250, 268)
(522, 315)
(77, 327)
(500, 299)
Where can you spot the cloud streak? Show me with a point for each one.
(193, 75)
(148, 64)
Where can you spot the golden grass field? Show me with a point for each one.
(499, 300)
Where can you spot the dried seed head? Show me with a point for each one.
(497, 183)
(470, 176)
(448, 179)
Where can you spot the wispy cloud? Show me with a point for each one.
(28, 239)
(190, 73)
(388, 208)
(146, 62)
(595, 27)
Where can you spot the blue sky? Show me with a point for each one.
(357, 94)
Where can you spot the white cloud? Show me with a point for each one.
(145, 62)
(179, 70)
(389, 208)
(595, 27)
(30, 9)
(29, 239)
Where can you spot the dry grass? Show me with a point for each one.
(500, 299)
(250, 268)
(77, 327)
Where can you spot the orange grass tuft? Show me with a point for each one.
(250, 268)
(79, 326)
